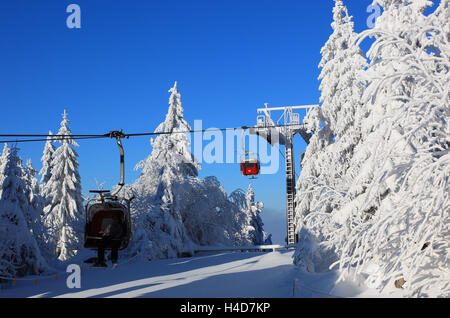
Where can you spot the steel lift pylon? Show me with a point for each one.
(283, 131)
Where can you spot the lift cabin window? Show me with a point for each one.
(246, 165)
(250, 167)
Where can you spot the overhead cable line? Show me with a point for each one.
(112, 134)
(53, 139)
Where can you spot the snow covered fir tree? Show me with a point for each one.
(40, 222)
(373, 195)
(46, 159)
(20, 226)
(163, 174)
(253, 229)
(63, 212)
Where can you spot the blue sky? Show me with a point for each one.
(229, 58)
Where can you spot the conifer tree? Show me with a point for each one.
(171, 151)
(165, 170)
(3, 159)
(47, 157)
(19, 251)
(405, 204)
(393, 199)
(322, 189)
(174, 209)
(63, 213)
(35, 212)
(254, 229)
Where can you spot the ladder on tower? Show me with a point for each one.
(290, 192)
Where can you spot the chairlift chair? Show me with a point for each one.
(100, 210)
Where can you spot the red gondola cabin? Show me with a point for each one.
(250, 167)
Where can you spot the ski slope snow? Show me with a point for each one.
(220, 274)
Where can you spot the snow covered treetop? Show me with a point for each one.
(173, 148)
(340, 14)
(65, 131)
(174, 118)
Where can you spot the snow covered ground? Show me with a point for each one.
(220, 274)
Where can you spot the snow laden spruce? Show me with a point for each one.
(373, 195)
(46, 159)
(19, 219)
(253, 228)
(63, 211)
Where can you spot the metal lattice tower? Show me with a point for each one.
(290, 191)
(287, 126)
